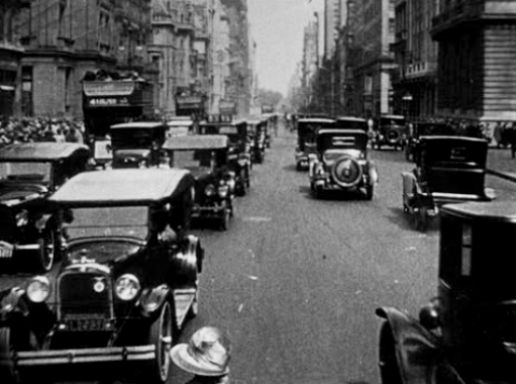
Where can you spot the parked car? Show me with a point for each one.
(389, 130)
(179, 126)
(126, 287)
(29, 173)
(239, 149)
(137, 144)
(418, 129)
(206, 157)
(257, 131)
(448, 169)
(307, 128)
(467, 333)
(341, 163)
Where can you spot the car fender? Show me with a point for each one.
(12, 303)
(418, 352)
(151, 300)
(195, 249)
(374, 178)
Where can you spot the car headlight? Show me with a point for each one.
(223, 190)
(209, 190)
(22, 218)
(142, 164)
(38, 289)
(127, 287)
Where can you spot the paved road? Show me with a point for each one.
(295, 281)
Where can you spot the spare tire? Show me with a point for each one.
(393, 135)
(346, 172)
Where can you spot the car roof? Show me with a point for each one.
(118, 187)
(139, 125)
(196, 142)
(392, 116)
(452, 138)
(341, 132)
(350, 118)
(41, 151)
(179, 123)
(315, 120)
(501, 211)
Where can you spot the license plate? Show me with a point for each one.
(82, 325)
(6, 250)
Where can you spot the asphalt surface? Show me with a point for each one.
(295, 281)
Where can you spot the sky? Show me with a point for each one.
(277, 27)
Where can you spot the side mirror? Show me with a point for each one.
(429, 316)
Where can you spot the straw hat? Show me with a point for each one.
(206, 354)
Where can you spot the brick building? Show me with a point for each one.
(415, 79)
(63, 39)
(10, 57)
(371, 32)
(476, 61)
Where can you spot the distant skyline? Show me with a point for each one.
(277, 27)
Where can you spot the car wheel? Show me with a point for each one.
(47, 252)
(7, 372)
(389, 369)
(421, 219)
(369, 192)
(224, 220)
(161, 336)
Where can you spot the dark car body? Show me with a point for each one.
(137, 144)
(467, 333)
(351, 122)
(206, 157)
(257, 131)
(29, 173)
(239, 149)
(307, 128)
(389, 130)
(341, 163)
(122, 293)
(418, 129)
(448, 169)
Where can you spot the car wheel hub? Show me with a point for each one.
(346, 172)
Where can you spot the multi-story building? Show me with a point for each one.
(63, 39)
(220, 54)
(310, 60)
(415, 79)
(203, 21)
(476, 61)
(334, 18)
(10, 56)
(372, 34)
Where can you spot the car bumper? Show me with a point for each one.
(328, 185)
(206, 211)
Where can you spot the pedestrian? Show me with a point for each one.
(206, 356)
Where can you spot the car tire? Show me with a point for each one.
(421, 219)
(369, 192)
(224, 220)
(388, 362)
(48, 251)
(298, 167)
(161, 336)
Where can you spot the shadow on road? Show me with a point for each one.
(404, 220)
(292, 168)
(332, 195)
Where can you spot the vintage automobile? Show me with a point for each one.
(206, 157)
(467, 333)
(137, 144)
(448, 169)
(351, 122)
(389, 130)
(127, 284)
(257, 130)
(29, 173)
(341, 163)
(307, 128)
(239, 157)
(417, 129)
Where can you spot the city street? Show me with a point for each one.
(295, 281)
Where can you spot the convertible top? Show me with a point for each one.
(193, 142)
(47, 151)
(140, 125)
(121, 187)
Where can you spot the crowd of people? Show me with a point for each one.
(30, 129)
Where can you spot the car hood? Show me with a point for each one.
(101, 251)
(12, 192)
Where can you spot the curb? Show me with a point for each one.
(503, 175)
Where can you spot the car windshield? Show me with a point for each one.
(108, 221)
(131, 138)
(392, 121)
(102, 251)
(193, 160)
(33, 171)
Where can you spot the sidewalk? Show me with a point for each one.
(500, 163)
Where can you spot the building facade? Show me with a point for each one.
(476, 60)
(63, 39)
(415, 79)
(334, 18)
(220, 55)
(11, 52)
(371, 32)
